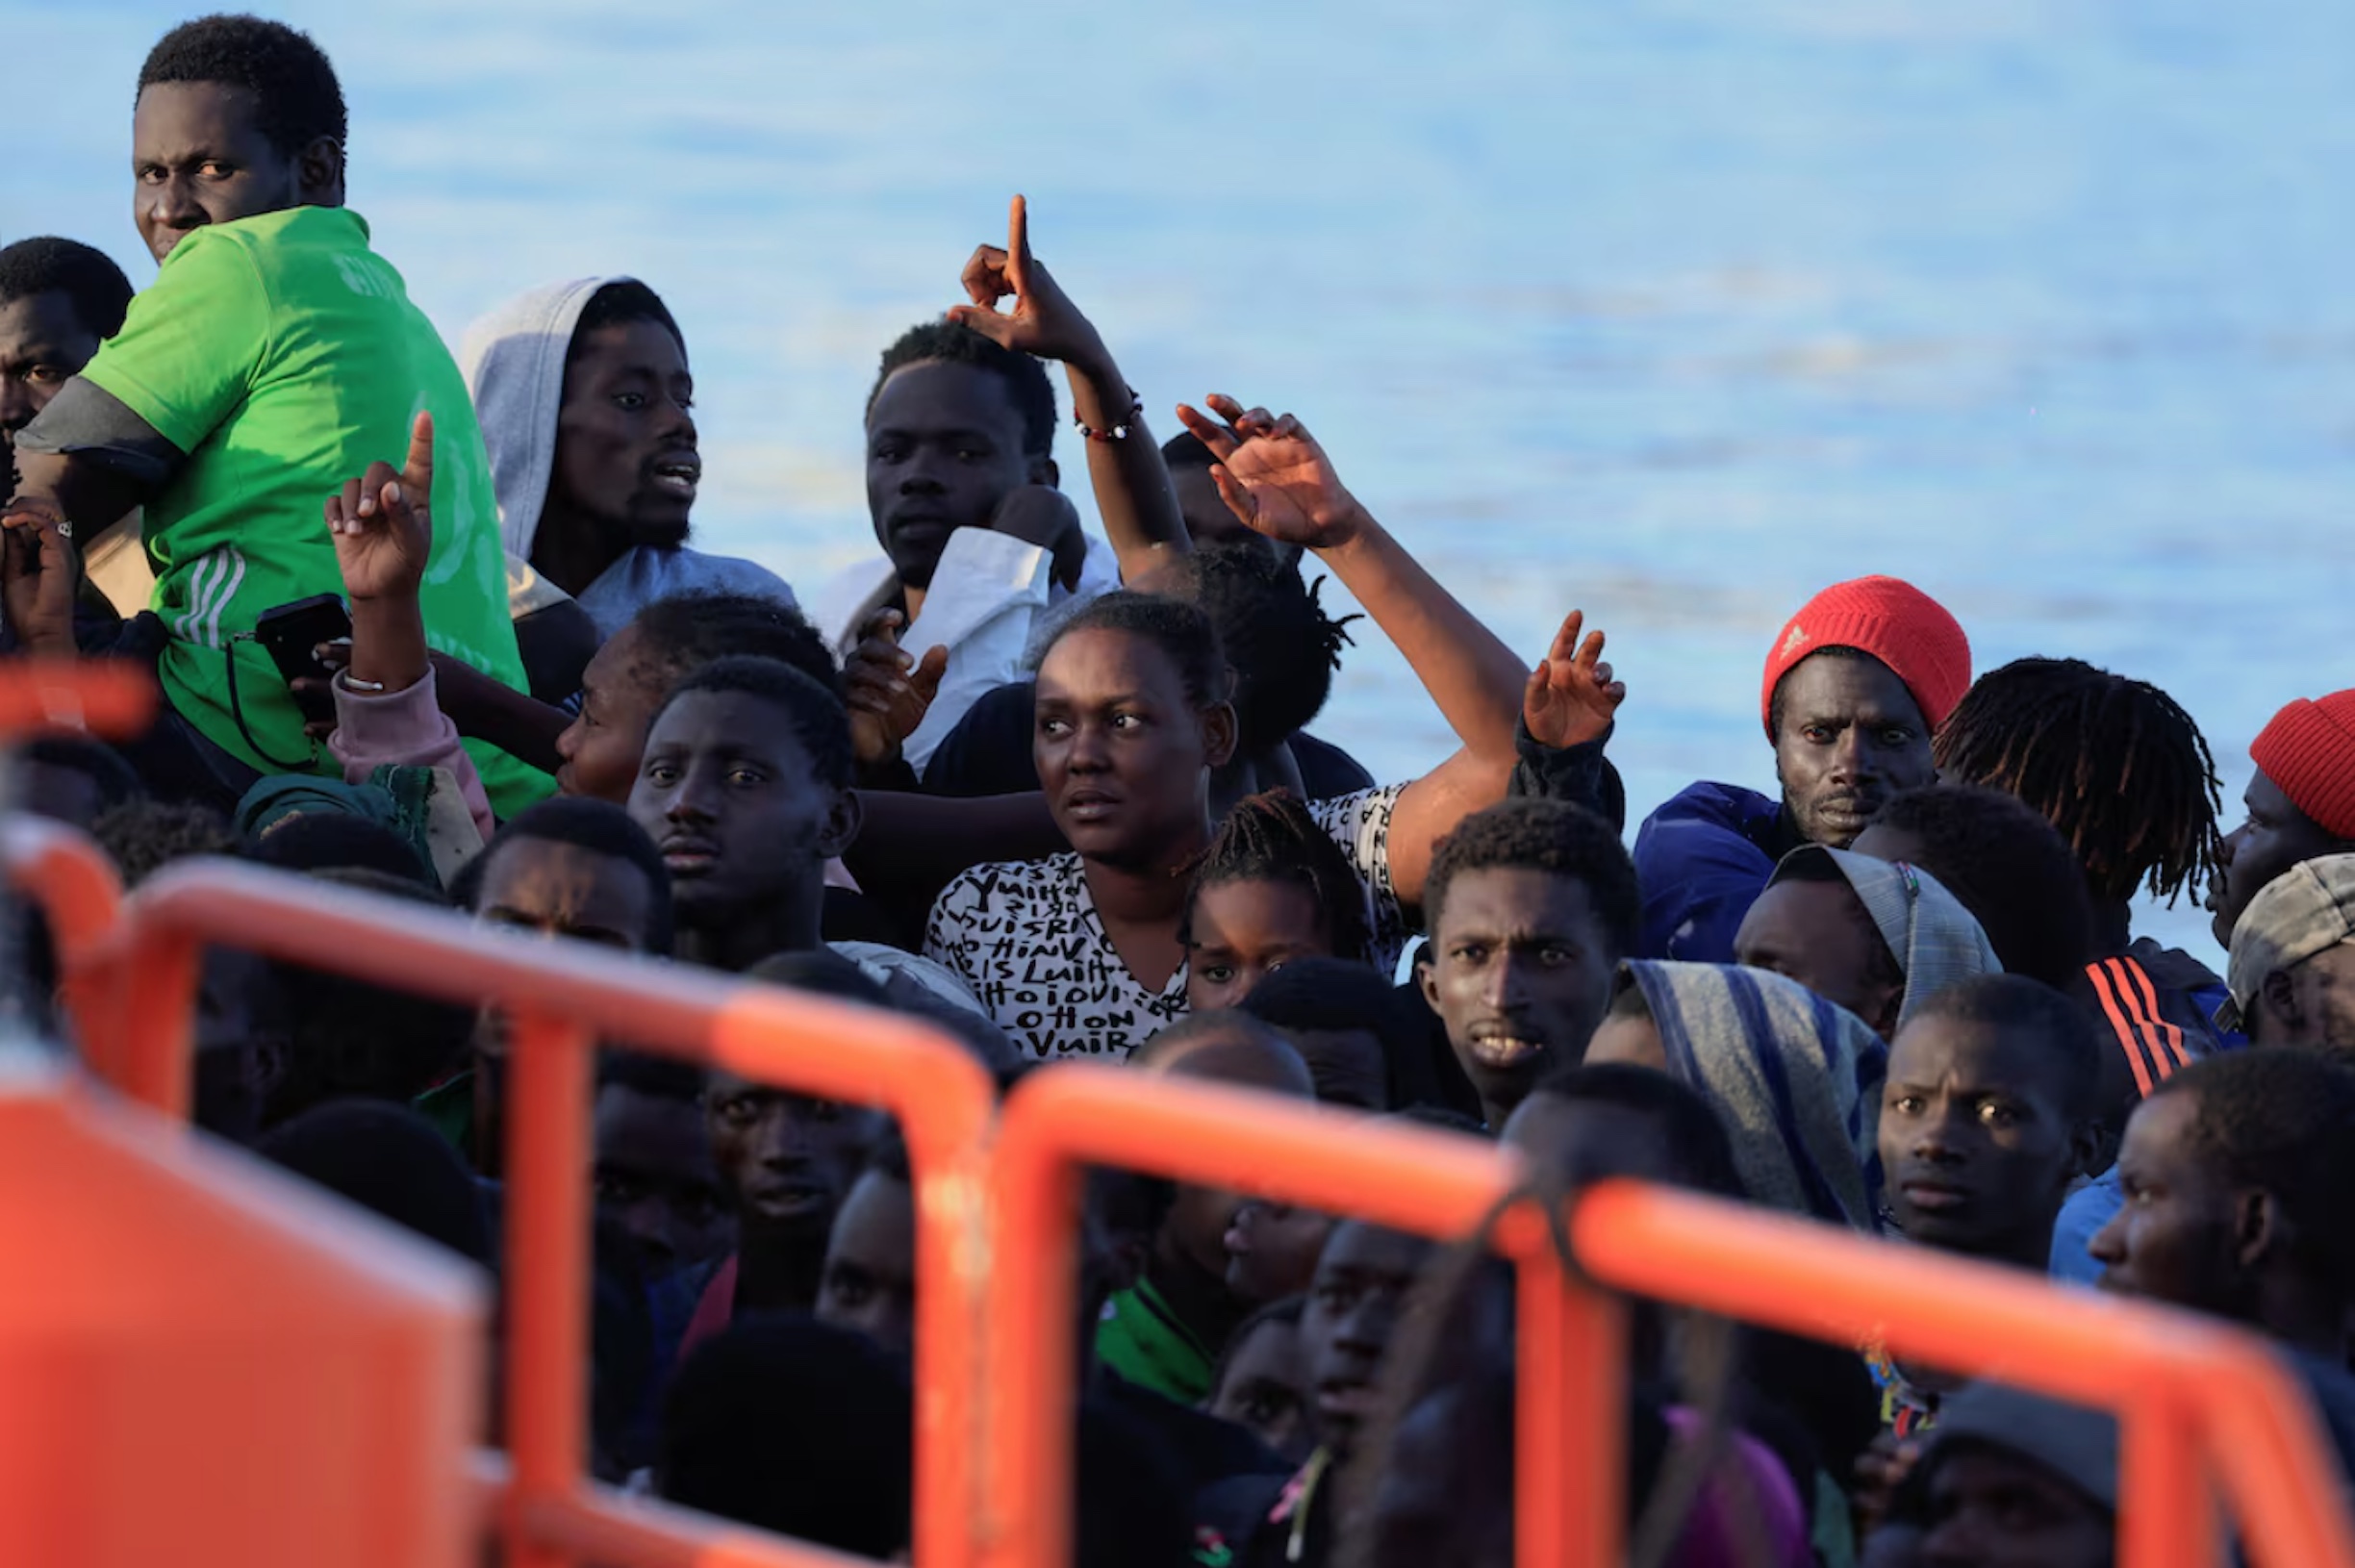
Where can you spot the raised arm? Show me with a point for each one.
(1132, 487)
(1279, 482)
(385, 697)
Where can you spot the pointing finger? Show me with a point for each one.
(418, 473)
(1209, 431)
(1566, 640)
(1018, 239)
(1590, 652)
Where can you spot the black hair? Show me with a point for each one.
(598, 826)
(2010, 867)
(815, 715)
(681, 632)
(1696, 1139)
(1435, 1116)
(297, 97)
(350, 1037)
(1212, 1024)
(657, 1077)
(1283, 644)
(821, 972)
(1284, 1310)
(948, 344)
(1838, 651)
(2278, 1119)
(118, 784)
(84, 274)
(321, 841)
(2018, 1006)
(618, 304)
(1271, 837)
(389, 1159)
(1186, 450)
(2114, 764)
(1181, 631)
(1551, 836)
(1883, 968)
(144, 836)
(790, 1425)
(1331, 994)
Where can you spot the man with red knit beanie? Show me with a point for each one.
(1855, 684)
(2301, 804)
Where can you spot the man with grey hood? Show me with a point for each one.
(586, 403)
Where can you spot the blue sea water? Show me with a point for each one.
(1670, 311)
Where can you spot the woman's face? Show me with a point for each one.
(602, 745)
(1122, 753)
(1241, 932)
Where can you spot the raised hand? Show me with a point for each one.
(383, 523)
(1571, 697)
(37, 576)
(1043, 321)
(1274, 477)
(889, 692)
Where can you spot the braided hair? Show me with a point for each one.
(2114, 764)
(1272, 838)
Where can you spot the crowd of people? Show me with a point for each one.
(433, 627)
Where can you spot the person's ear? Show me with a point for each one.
(319, 167)
(1219, 734)
(1043, 471)
(841, 829)
(2277, 996)
(2085, 1141)
(1426, 981)
(2259, 1228)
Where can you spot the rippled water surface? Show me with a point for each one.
(1671, 311)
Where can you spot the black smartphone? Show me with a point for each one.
(291, 632)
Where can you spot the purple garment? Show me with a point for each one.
(1701, 859)
(1748, 1510)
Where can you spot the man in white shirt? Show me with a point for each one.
(977, 541)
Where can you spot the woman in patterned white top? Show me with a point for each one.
(1080, 953)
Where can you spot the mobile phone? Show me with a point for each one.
(291, 632)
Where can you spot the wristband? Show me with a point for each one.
(1119, 432)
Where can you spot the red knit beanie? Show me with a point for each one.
(1895, 622)
(2309, 750)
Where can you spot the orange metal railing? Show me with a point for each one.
(2200, 1404)
(561, 998)
(2207, 1411)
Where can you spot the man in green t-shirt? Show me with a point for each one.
(274, 357)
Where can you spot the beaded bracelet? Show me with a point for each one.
(1119, 432)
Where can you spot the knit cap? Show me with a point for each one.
(2309, 751)
(1895, 622)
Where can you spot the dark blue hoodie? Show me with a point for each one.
(1701, 859)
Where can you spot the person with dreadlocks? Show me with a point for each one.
(2125, 776)
(1272, 887)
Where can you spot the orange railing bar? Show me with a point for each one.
(2197, 1401)
(1437, 1183)
(68, 876)
(563, 997)
(105, 696)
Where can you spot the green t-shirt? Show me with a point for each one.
(283, 356)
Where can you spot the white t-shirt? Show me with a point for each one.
(1025, 937)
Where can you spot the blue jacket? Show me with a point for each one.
(1701, 859)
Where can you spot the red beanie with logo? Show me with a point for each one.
(2309, 750)
(1895, 622)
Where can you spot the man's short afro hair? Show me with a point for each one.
(44, 265)
(294, 89)
(1549, 836)
(948, 344)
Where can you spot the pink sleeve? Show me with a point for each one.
(405, 728)
(1748, 1511)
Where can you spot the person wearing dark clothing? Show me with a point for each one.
(1857, 683)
